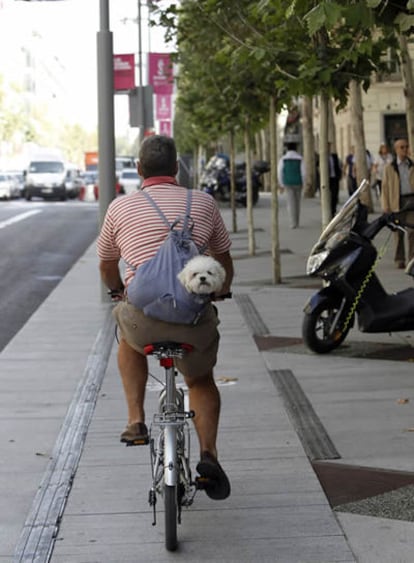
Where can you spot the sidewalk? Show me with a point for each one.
(54, 371)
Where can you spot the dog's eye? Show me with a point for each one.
(209, 273)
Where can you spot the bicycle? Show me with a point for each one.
(170, 448)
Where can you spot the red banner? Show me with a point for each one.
(163, 106)
(160, 73)
(165, 128)
(124, 72)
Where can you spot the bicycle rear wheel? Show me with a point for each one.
(170, 506)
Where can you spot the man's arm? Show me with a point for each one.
(226, 261)
(385, 189)
(110, 275)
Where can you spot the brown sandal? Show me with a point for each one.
(135, 434)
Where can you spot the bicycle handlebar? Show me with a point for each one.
(118, 295)
(222, 297)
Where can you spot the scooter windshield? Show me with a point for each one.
(346, 216)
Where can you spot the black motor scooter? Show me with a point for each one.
(345, 258)
(215, 179)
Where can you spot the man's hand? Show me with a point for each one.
(116, 294)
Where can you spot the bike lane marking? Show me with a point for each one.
(19, 217)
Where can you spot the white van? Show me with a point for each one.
(45, 177)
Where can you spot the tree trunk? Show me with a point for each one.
(361, 168)
(265, 156)
(324, 160)
(233, 182)
(258, 146)
(308, 147)
(331, 127)
(195, 169)
(407, 75)
(276, 267)
(200, 163)
(249, 189)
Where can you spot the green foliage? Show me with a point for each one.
(233, 56)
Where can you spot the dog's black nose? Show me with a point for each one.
(203, 278)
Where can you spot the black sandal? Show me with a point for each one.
(212, 477)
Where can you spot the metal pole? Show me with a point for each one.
(106, 136)
(141, 84)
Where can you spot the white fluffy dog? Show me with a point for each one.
(202, 275)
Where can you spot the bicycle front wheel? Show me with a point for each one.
(170, 506)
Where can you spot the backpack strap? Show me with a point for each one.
(187, 222)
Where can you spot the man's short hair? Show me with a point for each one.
(291, 146)
(158, 156)
(397, 139)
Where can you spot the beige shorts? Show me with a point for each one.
(138, 331)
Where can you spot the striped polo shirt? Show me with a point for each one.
(133, 230)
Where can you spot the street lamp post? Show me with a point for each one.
(141, 83)
(106, 138)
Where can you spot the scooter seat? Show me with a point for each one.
(393, 313)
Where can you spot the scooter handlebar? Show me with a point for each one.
(395, 220)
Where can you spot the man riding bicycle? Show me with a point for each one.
(133, 231)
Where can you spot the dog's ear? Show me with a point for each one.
(181, 277)
(221, 272)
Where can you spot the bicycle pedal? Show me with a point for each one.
(142, 442)
(201, 483)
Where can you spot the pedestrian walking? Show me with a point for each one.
(335, 175)
(396, 190)
(349, 172)
(291, 177)
(383, 158)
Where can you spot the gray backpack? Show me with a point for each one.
(155, 288)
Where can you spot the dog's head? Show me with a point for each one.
(202, 275)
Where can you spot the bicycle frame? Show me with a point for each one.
(170, 449)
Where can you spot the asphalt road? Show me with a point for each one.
(40, 241)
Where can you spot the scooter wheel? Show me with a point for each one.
(317, 331)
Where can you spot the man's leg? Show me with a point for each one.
(291, 205)
(205, 402)
(133, 368)
(399, 255)
(334, 189)
(410, 236)
(298, 201)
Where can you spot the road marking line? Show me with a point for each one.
(18, 218)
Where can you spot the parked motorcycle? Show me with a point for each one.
(345, 258)
(215, 179)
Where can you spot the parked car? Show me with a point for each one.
(18, 178)
(73, 182)
(9, 188)
(129, 181)
(45, 177)
(90, 178)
